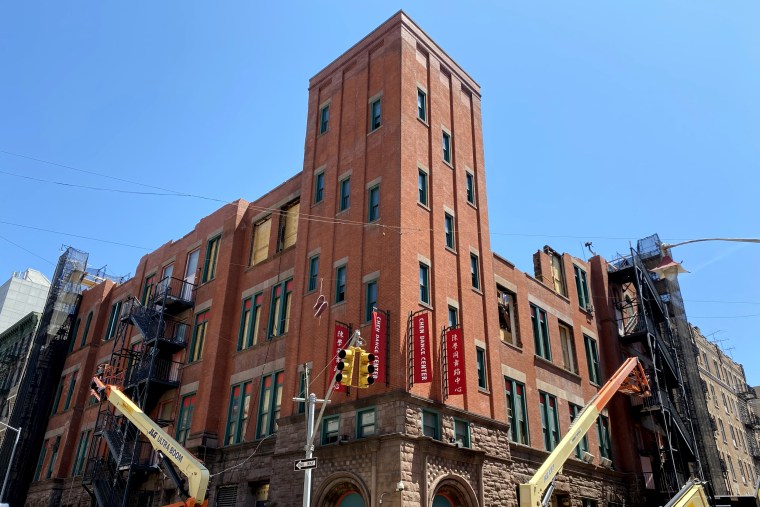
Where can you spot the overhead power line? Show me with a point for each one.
(75, 235)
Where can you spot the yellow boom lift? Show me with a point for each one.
(169, 450)
(629, 379)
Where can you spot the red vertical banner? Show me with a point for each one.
(421, 334)
(340, 339)
(455, 376)
(378, 344)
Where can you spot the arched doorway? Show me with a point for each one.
(352, 499)
(342, 490)
(453, 491)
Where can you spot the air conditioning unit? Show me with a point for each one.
(589, 308)
(587, 458)
(606, 463)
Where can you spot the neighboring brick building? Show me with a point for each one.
(724, 385)
(390, 211)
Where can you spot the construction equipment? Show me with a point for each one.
(629, 379)
(691, 495)
(168, 449)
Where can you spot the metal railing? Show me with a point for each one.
(171, 288)
(161, 370)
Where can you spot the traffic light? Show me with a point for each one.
(366, 369)
(345, 366)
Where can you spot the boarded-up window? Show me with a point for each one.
(226, 496)
(261, 240)
(289, 226)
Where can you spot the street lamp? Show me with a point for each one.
(670, 269)
(10, 462)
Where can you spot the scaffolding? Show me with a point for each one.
(120, 460)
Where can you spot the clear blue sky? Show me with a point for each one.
(603, 122)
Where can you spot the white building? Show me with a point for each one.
(24, 292)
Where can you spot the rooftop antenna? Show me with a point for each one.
(588, 245)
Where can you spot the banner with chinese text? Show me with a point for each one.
(455, 376)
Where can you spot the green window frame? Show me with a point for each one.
(582, 446)
(370, 298)
(41, 460)
(73, 333)
(57, 399)
(373, 200)
(79, 457)
(592, 358)
(470, 187)
(313, 272)
(53, 457)
(422, 187)
(212, 255)
(540, 332)
(238, 412)
(279, 315)
(581, 285)
(185, 417)
(70, 392)
(425, 283)
(199, 336)
(86, 329)
(324, 119)
(113, 321)
(603, 431)
(250, 320)
(345, 194)
(480, 356)
(269, 404)
(475, 271)
(301, 405)
(375, 114)
(366, 422)
(446, 142)
(150, 282)
(448, 229)
(549, 420)
(462, 433)
(431, 424)
(330, 430)
(319, 187)
(517, 412)
(453, 316)
(421, 105)
(340, 284)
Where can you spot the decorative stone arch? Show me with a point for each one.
(456, 489)
(336, 486)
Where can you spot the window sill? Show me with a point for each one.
(472, 204)
(484, 390)
(323, 133)
(427, 306)
(451, 166)
(518, 348)
(315, 204)
(423, 122)
(477, 291)
(343, 211)
(374, 130)
(338, 304)
(451, 250)
(423, 206)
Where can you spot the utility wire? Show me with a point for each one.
(102, 189)
(27, 250)
(74, 235)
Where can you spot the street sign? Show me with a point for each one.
(305, 464)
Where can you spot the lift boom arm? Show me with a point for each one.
(197, 474)
(629, 379)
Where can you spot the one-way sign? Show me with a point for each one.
(304, 464)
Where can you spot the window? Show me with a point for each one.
(53, 457)
(199, 337)
(725, 403)
(549, 420)
(431, 426)
(330, 430)
(41, 460)
(517, 413)
(73, 333)
(319, 187)
(453, 316)
(345, 194)
(592, 357)
(150, 283)
(462, 433)
(722, 430)
(568, 348)
(237, 418)
(424, 284)
(250, 321)
(185, 418)
(373, 213)
(81, 454)
(279, 319)
(421, 105)
(69, 394)
(587, 502)
(374, 115)
(288, 226)
(370, 299)
(209, 266)
(448, 227)
(715, 398)
(86, 329)
(446, 147)
(422, 188)
(558, 274)
(583, 444)
(540, 332)
(313, 272)
(301, 406)
(365, 423)
(340, 284)
(733, 435)
(57, 398)
(480, 356)
(324, 119)
(470, 186)
(475, 271)
(261, 232)
(269, 404)
(581, 283)
(113, 321)
(603, 430)
(507, 315)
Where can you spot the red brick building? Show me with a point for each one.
(389, 211)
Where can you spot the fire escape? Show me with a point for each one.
(120, 458)
(751, 421)
(644, 326)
